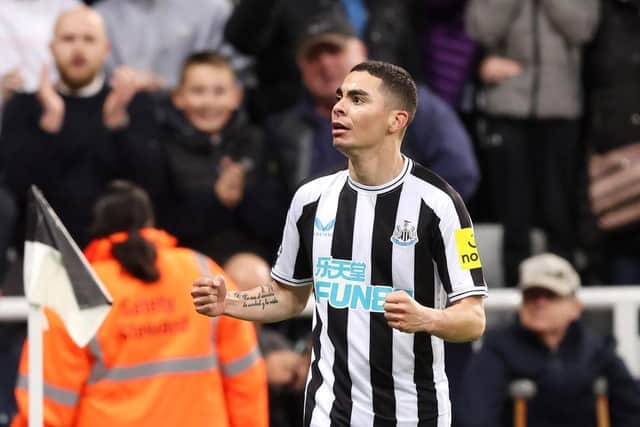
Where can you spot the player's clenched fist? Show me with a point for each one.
(209, 295)
(406, 314)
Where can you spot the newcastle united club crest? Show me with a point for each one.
(405, 234)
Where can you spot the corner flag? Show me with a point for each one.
(57, 275)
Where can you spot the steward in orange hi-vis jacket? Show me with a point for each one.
(155, 361)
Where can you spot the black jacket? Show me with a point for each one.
(564, 380)
(73, 166)
(612, 64)
(612, 77)
(188, 206)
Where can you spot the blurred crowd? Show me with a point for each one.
(220, 109)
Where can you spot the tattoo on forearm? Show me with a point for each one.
(266, 296)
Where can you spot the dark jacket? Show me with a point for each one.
(276, 25)
(612, 65)
(612, 69)
(73, 166)
(436, 138)
(564, 380)
(188, 205)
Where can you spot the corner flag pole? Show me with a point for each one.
(56, 276)
(36, 393)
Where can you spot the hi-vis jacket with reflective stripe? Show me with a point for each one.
(155, 361)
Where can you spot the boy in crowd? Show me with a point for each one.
(212, 159)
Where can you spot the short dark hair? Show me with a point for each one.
(205, 57)
(396, 80)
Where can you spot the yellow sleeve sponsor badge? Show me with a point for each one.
(467, 251)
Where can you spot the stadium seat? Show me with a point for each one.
(488, 236)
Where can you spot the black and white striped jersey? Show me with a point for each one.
(355, 244)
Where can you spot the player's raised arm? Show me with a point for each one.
(270, 302)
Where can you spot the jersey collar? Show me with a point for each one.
(386, 187)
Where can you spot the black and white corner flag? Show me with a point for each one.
(58, 276)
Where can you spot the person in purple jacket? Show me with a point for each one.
(447, 53)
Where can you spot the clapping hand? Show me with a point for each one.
(615, 186)
(124, 85)
(51, 102)
(229, 187)
(495, 69)
(12, 82)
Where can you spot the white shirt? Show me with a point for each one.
(157, 35)
(26, 29)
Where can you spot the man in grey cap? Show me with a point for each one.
(549, 346)
(549, 302)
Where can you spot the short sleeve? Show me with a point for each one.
(290, 267)
(459, 265)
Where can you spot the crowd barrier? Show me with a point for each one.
(623, 301)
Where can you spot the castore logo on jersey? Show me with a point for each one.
(323, 229)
